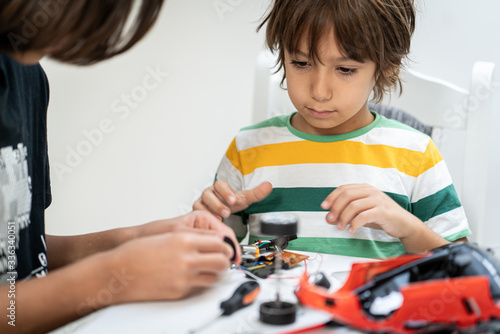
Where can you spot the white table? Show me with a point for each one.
(174, 317)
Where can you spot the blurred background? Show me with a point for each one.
(137, 138)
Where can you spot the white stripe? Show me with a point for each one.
(449, 223)
(431, 181)
(314, 225)
(399, 138)
(230, 174)
(264, 136)
(236, 224)
(331, 175)
(394, 137)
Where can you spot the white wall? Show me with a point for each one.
(157, 158)
(451, 35)
(154, 161)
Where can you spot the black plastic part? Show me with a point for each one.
(231, 243)
(264, 271)
(237, 300)
(278, 313)
(278, 224)
(329, 302)
(320, 280)
(281, 242)
(334, 324)
(449, 261)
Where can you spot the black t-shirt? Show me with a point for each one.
(24, 169)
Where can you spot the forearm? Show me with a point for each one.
(64, 295)
(63, 250)
(421, 238)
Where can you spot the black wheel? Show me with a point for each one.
(278, 313)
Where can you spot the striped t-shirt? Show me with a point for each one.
(303, 169)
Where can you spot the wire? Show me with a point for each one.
(264, 243)
(249, 273)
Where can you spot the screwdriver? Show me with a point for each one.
(244, 295)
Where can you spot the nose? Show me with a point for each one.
(321, 88)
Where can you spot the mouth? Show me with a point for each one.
(319, 113)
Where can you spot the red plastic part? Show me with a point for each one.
(460, 302)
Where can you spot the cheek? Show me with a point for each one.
(296, 89)
(297, 96)
(361, 91)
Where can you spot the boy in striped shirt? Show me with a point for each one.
(361, 184)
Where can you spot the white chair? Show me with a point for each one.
(459, 118)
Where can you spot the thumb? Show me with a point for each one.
(258, 193)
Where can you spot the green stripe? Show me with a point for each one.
(458, 235)
(304, 199)
(434, 205)
(333, 138)
(395, 124)
(341, 246)
(279, 121)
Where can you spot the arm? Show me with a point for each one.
(63, 250)
(360, 205)
(161, 267)
(434, 194)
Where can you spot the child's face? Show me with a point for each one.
(331, 95)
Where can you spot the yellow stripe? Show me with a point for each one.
(232, 155)
(432, 156)
(303, 152)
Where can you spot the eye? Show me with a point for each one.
(346, 71)
(300, 64)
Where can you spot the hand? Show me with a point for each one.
(168, 266)
(199, 220)
(360, 205)
(222, 200)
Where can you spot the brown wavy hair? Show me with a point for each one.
(376, 30)
(85, 31)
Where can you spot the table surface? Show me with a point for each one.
(181, 316)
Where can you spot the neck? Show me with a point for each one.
(28, 57)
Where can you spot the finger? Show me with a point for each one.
(197, 205)
(205, 280)
(345, 196)
(335, 194)
(204, 220)
(214, 203)
(355, 209)
(330, 199)
(200, 206)
(374, 226)
(212, 263)
(205, 241)
(201, 231)
(258, 193)
(212, 244)
(364, 218)
(225, 191)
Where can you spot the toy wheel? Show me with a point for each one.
(278, 224)
(231, 243)
(278, 313)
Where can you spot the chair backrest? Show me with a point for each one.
(459, 119)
